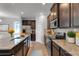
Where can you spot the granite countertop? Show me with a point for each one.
(72, 49)
(7, 43)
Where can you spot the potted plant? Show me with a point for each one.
(71, 37)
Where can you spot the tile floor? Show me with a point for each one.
(37, 49)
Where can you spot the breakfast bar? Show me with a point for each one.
(17, 46)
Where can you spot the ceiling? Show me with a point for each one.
(28, 10)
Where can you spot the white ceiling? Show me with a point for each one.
(31, 10)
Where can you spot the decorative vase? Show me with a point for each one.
(11, 34)
(71, 40)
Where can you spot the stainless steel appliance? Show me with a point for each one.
(54, 23)
(60, 35)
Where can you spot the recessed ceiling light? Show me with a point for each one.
(22, 13)
(52, 13)
(43, 3)
(0, 20)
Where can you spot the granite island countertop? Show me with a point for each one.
(7, 43)
(72, 49)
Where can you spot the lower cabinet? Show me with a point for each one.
(55, 50)
(18, 49)
(26, 48)
(58, 51)
(19, 53)
(22, 48)
(64, 53)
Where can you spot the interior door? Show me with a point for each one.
(31, 23)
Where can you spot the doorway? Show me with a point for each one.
(31, 23)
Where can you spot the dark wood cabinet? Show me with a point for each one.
(22, 48)
(54, 16)
(18, 49)
(67, 14)
(64, 53)
(75, 14)
(58, 51)
(31, 23)
(20, 52)
(64, 15)
(26, 46)
(55, 49)
(54, 11)
(55, 52)
(25, 22)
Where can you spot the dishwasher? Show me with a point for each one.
(48, 45)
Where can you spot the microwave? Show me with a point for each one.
(54, 23)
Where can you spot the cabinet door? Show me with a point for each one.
(55, 11)
(19, 53)
(64, 53)
(64, 15)
(55, 50)
(75, 14)
(26, 48)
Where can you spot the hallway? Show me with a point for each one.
(37, 49)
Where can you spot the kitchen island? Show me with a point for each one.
(17, 46)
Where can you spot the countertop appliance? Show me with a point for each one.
(60, 35)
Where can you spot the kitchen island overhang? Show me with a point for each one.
(11, 47)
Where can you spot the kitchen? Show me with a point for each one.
(56, 26)
(20, 25)
(63, 25)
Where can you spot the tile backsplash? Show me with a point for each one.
(66, 30)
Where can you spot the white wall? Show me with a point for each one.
(10, 22)
(41, 25)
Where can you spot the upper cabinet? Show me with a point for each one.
(67, 14)
(64, 15)
(75, 14)
(54, 11)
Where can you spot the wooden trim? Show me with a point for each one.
(70, 15)
(52, 6)
(58, 15)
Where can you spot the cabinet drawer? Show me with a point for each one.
(56, 46)
(64, 53)
(55, 49)
(19, 53)
(55, 52)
